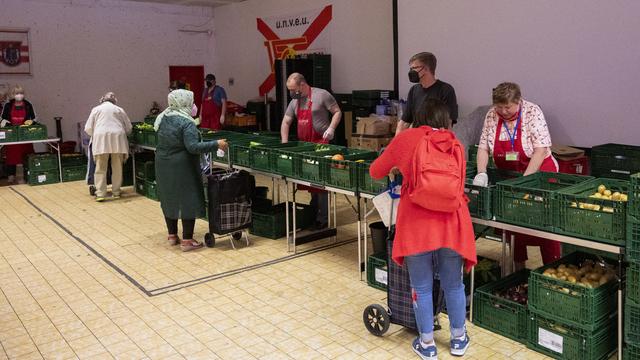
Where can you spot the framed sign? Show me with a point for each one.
(14, 52)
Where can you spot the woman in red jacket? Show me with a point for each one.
(423, 234)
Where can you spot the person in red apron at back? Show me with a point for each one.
(311, 107)
(516, 135)
(17, 111)
(214, 105)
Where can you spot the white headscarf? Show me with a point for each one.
(180, 104)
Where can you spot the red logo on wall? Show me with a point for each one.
(11, 53)
(278, 48)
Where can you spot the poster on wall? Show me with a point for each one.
(287, 35)
(14, 52)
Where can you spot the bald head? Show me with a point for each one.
(296, 79)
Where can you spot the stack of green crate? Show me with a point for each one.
(74, 167)
(127, 172)
(269, 220)
(41, 169)
(615, 161)
(569, 320)
(632, 298)
(146, 177)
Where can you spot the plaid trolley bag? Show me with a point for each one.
(229, 204)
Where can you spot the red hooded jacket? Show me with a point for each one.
(419, 230)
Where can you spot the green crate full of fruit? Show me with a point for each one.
(501, 306)
(596, 210)
(35, 131)
(287, 160)
(578, 290)
(343, 173)
(529, 200)
(561, 341)
(74, 173)
(634, 196)
(8, 134)
(263, 157)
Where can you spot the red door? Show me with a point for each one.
(193, 76)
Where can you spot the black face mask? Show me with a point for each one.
(414, 76)
(296, 95)
(209, 83)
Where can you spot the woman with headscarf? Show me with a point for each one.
(108, 126)
(17, 111)
(178, 175)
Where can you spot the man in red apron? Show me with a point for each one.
(214, 105)
(312, 107)
(509, 154)
(17, 112)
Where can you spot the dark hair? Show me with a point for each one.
(434, 113)
(210, 77)
(427, 59)
(177, 84)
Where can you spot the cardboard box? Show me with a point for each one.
(566, 152)
(373, 125)
(369, 142)
(347, 117)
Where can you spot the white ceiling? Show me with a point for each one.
(212, 3)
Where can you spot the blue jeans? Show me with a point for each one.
(421, 273)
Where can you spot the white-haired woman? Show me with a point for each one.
(108, 126)
(17, 111)
(178, 175)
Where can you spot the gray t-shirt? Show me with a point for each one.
(322, 102)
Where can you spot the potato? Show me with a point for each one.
(573, 204)
(597, 195)
(602, 189)
(594, 276)
(549, 271)
(572, 279)
(607, 209)
(607, 193)
(615, 196)
(603, 280)
(624, 197)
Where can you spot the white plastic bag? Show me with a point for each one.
(387, 204)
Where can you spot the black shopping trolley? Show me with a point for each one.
(229, 204)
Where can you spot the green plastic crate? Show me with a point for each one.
(633, 283)
(270, 221)
(146, 170)
(343, 174)
(500, 315)
(75, 173)
(42, 177)
(309, 165)
(261, 156)
(631, 352)
(150, 137)
(615, 161)
(287, 160)
(368, 185)
(141, 186)
(240, 150)
(8, 134)
(151, 190)
(498, 175)
(570, 343)
(36, 131)
(472, 155)
(606, 224)
(480, 204)
(150, 119)
(632, 251)
(634, 196)
(631, 321)
(42, 161)
(377, 271)
(571, 303)
(73, 160)
(529, 201)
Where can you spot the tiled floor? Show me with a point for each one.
(135, 297)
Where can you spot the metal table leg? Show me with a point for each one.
(335, 214)
(286, 213)
(620, 311)
(511, 252)
(293, 209)
(473, 278)
(504, 254)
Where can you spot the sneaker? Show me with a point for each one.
(100, 199)
(459, 345)
(428, 353)
(116, 196)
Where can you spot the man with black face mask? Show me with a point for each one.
(214, 104)
(422, 70)
(311, 107)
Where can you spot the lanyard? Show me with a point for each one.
(512, 137)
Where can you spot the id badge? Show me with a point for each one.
(512, 156)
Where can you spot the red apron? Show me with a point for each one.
(551, 250)
(306, 132)
(210, 114)
(16, 153)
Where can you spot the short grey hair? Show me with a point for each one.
(110, 97)
(427, 59)
(297, 78)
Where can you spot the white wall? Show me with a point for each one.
(578, 59)
(82, 48)
(361, 44)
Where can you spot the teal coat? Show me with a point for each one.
(178, 174)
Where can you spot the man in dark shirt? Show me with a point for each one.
(422, 70)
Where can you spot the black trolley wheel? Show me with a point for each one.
(237, 235)
(209, 240)
(376, 319)
(92, 190)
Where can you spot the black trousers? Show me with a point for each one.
(11, 170)
(187, 227)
